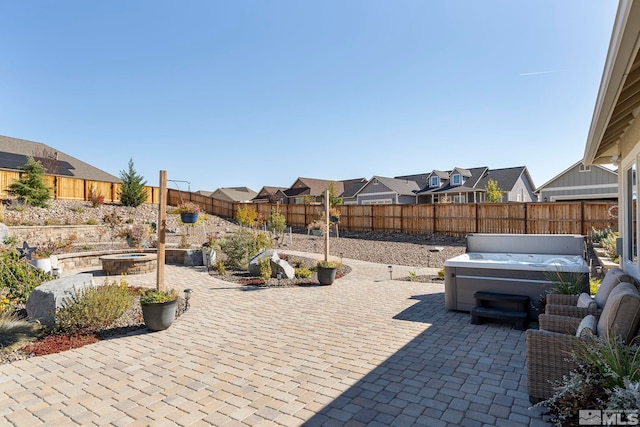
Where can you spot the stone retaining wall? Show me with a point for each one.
(83, 233)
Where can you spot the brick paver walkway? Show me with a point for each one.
(365, 351)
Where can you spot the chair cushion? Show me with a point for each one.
(585, 301)
(587, 326)
(610, 281)
(621, 313)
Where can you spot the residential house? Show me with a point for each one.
(270, 194)
(380, 190)
(351, 188)
(614, 134)
(234, 194)
(311, 191)
(14, 153)
(580, 182)
(462, 185)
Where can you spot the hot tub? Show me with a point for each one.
(514, 272)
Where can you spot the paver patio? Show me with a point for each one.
(365, 351)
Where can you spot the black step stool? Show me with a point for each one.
(483, 309)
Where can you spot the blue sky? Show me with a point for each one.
(253, 93)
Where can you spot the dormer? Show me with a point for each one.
(459, 176)
(434, 181)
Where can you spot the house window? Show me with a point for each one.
(375, 182)
(459, 198)
(456, 179)
(435, 181)
(584, 168)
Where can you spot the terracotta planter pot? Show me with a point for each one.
(159, 316)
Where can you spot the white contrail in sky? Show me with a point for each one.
(539, 72)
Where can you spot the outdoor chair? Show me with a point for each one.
(583, 304)
(550, 348)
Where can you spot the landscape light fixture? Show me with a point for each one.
(187, 296)
(390, 272)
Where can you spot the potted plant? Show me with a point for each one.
(136, 235)
(158, 308)
(41, 256)
(188, 212)
(209, 249)
(317, 227)
(334, 215)
(326, 272)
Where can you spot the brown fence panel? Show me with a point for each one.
(554, 218)
(599, 215)
(68, 188)
(99, 188)
(6, 179)
(296, 215)
(501, 218)
(417, 219)
(387, 218)
(360, 218)
(455, 219)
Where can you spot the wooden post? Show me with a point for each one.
(326, 233)
(162, 229)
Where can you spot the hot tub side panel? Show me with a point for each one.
(461, 283)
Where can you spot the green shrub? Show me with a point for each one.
(154, 296)
(609, 245)
(264, 264)
(220, 267)
(10, 240)
(565, 283)
(413, 276)
(597, 236)
(277, 223)
(16, 332)
(303, 273)
(607, 376)
(441, 273)
(93, 308)
(91, 221)
(18, 277)
(242, 246)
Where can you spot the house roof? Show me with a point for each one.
(619, 93)
(422, 179)
(352, 186)
(234, 194)
(14, 153)
(317, 187)
(569, 169)
(506, 177)
(402, 187)
(473, 176)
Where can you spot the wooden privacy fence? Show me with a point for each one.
(455, 219)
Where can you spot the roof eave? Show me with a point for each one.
(620, 57)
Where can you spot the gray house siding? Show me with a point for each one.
(521, 192)
(578, 183)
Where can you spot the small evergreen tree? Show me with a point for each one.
(132, 189)
(30, 187)
(493, 193)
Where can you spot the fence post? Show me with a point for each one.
(526, 218)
